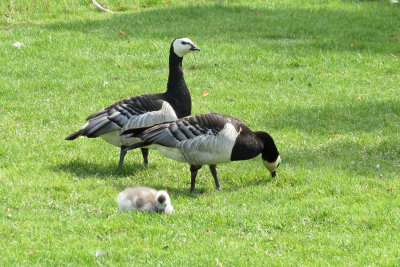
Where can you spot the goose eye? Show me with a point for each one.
(184, 43)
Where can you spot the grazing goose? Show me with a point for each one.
(143, 110)
(210, 139)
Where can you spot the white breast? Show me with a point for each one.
(115, 138)
(170, 152)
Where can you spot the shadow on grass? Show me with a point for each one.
(322, 29)
(184, 191)
(352, 117)
(332, 135)
(175, 191)
(368, 159)
(84, 169)
(275, 29)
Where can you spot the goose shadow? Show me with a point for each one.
(172, 190)
(182, 191)
(202, 190)
(84, 169)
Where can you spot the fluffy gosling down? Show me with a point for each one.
(208, 139)
(144, 199)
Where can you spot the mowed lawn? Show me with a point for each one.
(322, 77)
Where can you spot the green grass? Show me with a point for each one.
(322, 77)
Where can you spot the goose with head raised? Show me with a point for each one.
(143, 110)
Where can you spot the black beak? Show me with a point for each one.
(194, 48)
(273, 173)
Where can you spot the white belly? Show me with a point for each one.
(115, 138)
(169, 152)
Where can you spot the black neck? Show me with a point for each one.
(176, 82)
(247, 146)
(270, 151)
(177, 94)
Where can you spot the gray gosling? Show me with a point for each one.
(144, 199)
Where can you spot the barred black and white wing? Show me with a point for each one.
(134, 112)
(200, 139)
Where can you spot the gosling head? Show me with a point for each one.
(163, 202)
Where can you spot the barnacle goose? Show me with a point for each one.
(210, 139)
(143, 110)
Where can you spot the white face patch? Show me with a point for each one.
(182, 46)
(271, 166)
(166, 205)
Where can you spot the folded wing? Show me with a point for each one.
(134, 112)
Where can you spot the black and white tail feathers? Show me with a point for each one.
(73, 136)
(137, 133)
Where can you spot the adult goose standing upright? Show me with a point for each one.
(143, 110)
(207, 139)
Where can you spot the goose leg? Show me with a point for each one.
(213, 169)
(121, 157)
(193, 174)
(145, 154)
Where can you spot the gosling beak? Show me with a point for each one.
(273, 173)
(194, 48)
